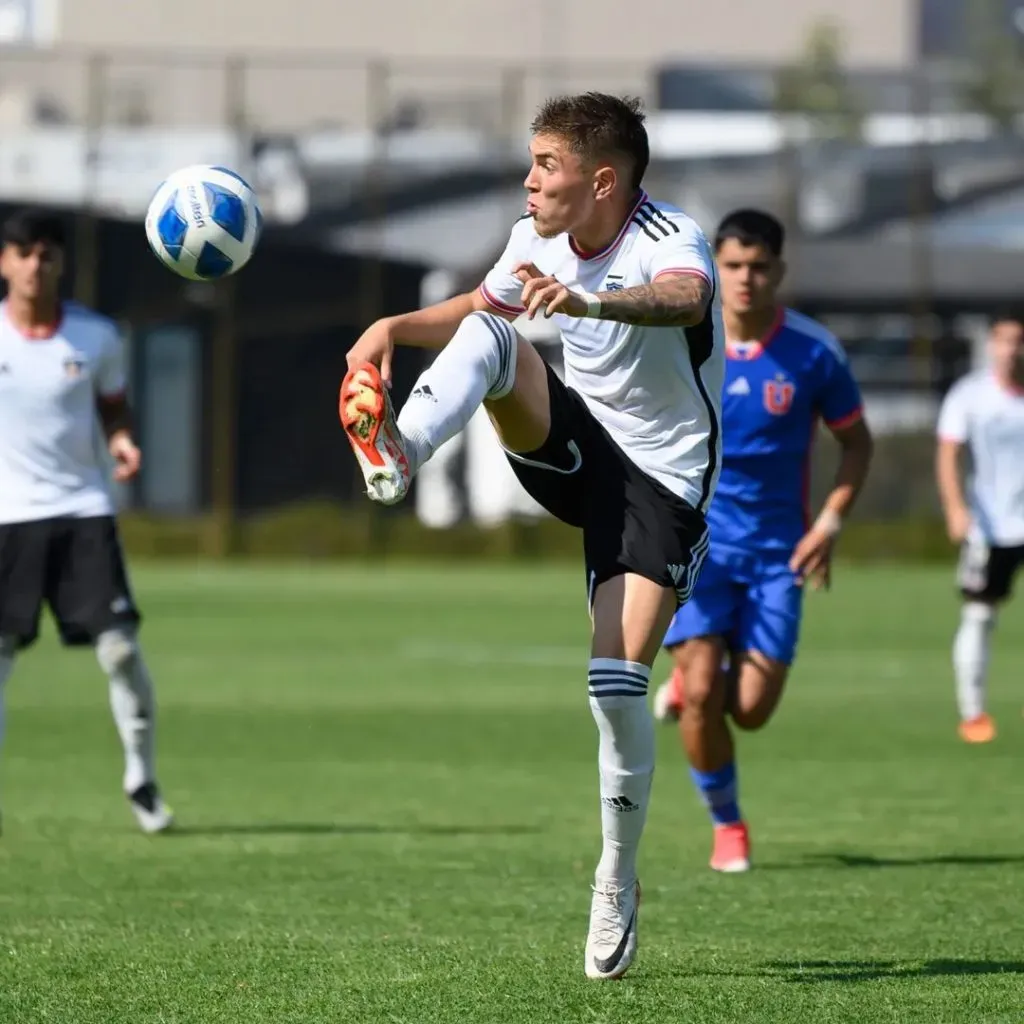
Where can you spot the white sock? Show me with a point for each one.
(618, 700)
(132, 702)
(970, 657)
(479, 362)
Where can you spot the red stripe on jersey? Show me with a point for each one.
(502, 307)
(846, 421)
(681, 272)
(596, 254)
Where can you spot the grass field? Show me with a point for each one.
(387, 791)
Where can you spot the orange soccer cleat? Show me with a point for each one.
(369, 420)
(980, 729)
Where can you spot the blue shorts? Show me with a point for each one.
(755, 603)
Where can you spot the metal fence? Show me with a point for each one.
(835, 160)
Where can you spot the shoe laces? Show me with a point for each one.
(608, 912)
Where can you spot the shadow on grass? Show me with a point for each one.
(867, 860)
(810, 972)
(283, 828)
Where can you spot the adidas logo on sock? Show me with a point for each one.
(423, 391)
(619, 803)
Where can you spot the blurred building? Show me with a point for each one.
(313, 63)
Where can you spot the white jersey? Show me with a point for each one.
(989, 418)
(50, 438)
(656, 390)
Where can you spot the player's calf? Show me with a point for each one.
(133, 704)
(758, 690)
(630, 615)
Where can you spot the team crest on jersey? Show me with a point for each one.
(74, 366)
(614, 283)
(778, 395)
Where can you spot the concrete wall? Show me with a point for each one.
(449, 55)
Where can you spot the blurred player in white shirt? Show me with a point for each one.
(62, 380)
(984, 412)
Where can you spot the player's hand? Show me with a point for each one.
(126, 455)
(543, 292)
(958, 523)
(375, 345)
(812, 559)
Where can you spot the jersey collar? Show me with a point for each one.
(46, 331)
(598, 253)
(744, 351)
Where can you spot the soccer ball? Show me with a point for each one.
(204, 222)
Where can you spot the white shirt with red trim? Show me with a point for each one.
(656, 390)
(51, 443)
(988, 416)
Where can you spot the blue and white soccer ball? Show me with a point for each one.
(204, 222)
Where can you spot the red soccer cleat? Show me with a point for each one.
(731, 853)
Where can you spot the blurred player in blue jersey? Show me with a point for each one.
(734, 642)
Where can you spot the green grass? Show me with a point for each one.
(387, 789)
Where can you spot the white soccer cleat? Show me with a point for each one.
(150, 811)
(611, 942)
(666, 708)
(369, 422)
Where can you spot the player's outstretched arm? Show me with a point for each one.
(431, 327)
(673, 300)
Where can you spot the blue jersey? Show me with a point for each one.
(775, 392)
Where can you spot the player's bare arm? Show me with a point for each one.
(673, 300)
(813, 555)
(431, 327)
(951, 491)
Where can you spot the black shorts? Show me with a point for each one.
(75, 566)
(986, 573)
(630, 521)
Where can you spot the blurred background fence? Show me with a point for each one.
(888, 138)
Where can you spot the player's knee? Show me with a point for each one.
(116, 650)
(498, 344)
(758, 692)
(754, 717)
(702, 686)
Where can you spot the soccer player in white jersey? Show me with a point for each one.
(984, 412)
(627, 449)
(61, 379)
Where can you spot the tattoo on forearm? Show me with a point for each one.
(677, 300)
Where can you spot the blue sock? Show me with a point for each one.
(720, 793)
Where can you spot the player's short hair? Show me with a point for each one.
(1007, 315)
(28, 227)
(752, 227)
(597, 125)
